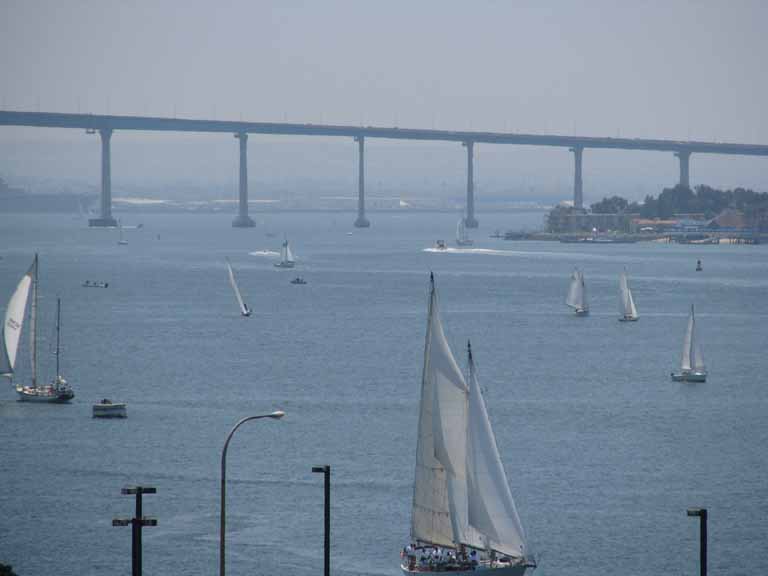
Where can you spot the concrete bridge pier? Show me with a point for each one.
(578, 192)
(105, 218)
(685, 168)
(243, 220)
(469, 218)
(362, 221)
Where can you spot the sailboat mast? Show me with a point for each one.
(692, 341)
(58, 334)
(427, 339)
(33, 324)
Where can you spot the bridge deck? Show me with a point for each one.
(148, 123)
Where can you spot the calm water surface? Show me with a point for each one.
(603, 452)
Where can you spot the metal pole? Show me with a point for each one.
(223, 490)
(136, 524)
(327, 539)
(326, 470)
(703, 542)
(702, 514)
(137, 528)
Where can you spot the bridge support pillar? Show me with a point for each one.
(362, 221)
(105, 218)
(469, 219)
(578, 192)
(243, 220)
(685, 168)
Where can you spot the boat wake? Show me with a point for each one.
(490, 251)
(270, 253)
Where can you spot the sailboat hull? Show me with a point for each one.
(284, 265)
(45, 394)
(689, 377)
(628, 319)
(497, 570)
(581, 312)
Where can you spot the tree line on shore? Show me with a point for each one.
(683, 200)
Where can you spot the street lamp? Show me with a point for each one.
(275, 415)
(326, 471)
(702, 514)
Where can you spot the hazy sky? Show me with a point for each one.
(666, 69)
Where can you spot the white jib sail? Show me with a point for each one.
(288, 254)
(439, 513)
(14, 320)
(628, 308)
(233, 283)
(492, 510)
(696, 358)
(688, 344)
(577, 297)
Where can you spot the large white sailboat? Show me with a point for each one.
(626, 302)
(692, 367)
(577, 294)
(286, 256)
(244, 310)
(462, 237)
(463, 520)
(57, 391)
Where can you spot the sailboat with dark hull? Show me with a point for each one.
(463, 519)
(58, 391)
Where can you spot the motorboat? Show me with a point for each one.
(108, 409)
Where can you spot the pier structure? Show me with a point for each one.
(242, 220)
(578, 192)
(685, 167)
(469, 217)
(105, 216)
(106, 125)
(361, 221)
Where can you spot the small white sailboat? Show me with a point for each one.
(463, 520)
(626, 302)
(286, 256)
(692, 367)
(57, 391)
(577, 294)
(244, 310)
(462, 237)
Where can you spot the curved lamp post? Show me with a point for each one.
(276, 415)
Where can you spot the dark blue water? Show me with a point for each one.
(603, 452)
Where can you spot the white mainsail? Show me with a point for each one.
(14, 320)
(492, 510)
(243, 308)
(431, 519)
(692, 359)
(577, 293)
(460, 492)
(288, 254)
(628, 309)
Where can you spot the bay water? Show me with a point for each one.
(604, 453)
